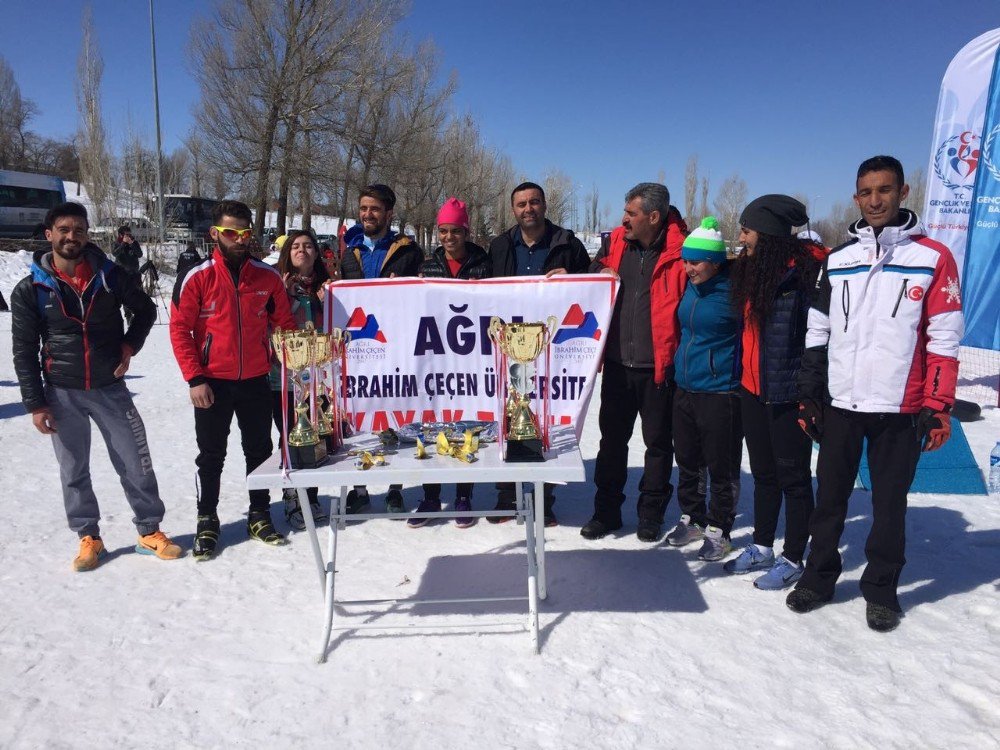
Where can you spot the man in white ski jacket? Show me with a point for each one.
(881, 364)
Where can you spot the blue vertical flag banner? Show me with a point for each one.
(981, 281)
(963, 182)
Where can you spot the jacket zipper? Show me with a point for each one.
(691, 342)
(902, 291)
(205, 350)
(635, 304)
(239, 320)
(845, 302)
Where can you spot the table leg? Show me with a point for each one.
(529, 533)
(539, 521)
(331, 574)
(519, 493)
(307, 516)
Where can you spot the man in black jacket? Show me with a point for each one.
(67, 325)
(375, 251)
(127, 250)
(533, 247)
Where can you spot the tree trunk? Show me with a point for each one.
(264, 175)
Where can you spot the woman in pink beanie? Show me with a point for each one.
(455, 258)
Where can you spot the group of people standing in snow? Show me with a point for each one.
(784, 345)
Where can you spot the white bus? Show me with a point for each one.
(25, 198)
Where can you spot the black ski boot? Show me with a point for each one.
(206, 537)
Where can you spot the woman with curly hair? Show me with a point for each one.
(772, 283)
(304, 278)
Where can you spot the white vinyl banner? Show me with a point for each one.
(420, 350)
(957, 147)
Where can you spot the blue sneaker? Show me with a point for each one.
(753, 557)
(781, 576)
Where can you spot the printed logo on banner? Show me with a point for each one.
(577, 324)
(366, 337)
(362, 326)
(990, 154)
(578, 337)
(956, 161)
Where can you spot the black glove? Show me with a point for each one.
(933, 428)
(811, 418)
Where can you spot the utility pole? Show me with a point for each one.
(159, 146)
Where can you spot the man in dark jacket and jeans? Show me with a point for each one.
(67, 327)
(375, 251)
(533, 247)
(645, 253)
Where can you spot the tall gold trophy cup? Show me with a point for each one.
(522, 343)
(298, 350)
(329, 349)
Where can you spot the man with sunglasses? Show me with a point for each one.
(222, 312)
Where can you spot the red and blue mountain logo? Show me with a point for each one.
(362, 326)
(577, 324)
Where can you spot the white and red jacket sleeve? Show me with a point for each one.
(944, 327)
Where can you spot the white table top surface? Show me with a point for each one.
(563, 464)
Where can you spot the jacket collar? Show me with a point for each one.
(907, 225)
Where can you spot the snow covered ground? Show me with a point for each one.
(641, 646)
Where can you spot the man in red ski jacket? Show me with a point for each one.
(645, 252)
(222, 313)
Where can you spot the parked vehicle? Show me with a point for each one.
(25, 198)
(186, 217)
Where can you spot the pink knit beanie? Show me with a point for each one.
(453, 212)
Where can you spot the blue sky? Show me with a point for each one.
(791, 95)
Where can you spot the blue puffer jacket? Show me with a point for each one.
(707, 360)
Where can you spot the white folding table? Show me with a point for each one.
(563, 464)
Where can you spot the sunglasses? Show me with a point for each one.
(233, 234)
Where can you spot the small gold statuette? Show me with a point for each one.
(421, 450)
(366, 460)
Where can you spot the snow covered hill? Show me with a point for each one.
(642, 647)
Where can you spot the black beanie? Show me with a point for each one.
(774, 214)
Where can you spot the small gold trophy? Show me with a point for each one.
(522, 343)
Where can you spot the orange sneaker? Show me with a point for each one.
(158, 544)
(91, 553)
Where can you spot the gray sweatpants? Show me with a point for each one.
(116, 417)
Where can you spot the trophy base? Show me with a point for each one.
(307, 456)
(524, 451)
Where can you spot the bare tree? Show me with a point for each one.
(15, 113)
(833, 228)
(729, 203)
(917, 181)
(95, 161)
(559, 196)
(691, 190)
(703, 205)
(592, 200)
(288, 60)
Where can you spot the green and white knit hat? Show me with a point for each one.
(705, 243)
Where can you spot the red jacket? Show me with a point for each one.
(219, 329)
(666, 290)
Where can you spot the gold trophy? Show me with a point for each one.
(299, 351)
(522, 343)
